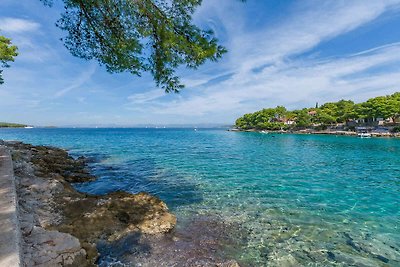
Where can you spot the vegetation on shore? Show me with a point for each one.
(12, 125)
(383, 108)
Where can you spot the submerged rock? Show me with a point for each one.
(203, 241)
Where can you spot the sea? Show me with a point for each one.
(259, 199)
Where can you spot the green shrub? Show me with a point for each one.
(396, 129)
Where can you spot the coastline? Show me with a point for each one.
(61, 226)
(310, 131)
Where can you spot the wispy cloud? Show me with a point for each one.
(276, 56)
(281, 79)
(78, 81)
(142, 98)
(18, 25)
(306, 28)
(26, 33)
(297, 81)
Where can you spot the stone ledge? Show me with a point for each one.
(10, 250)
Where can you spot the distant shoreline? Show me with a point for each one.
(12, 125)
(310, 131)
(28, 127)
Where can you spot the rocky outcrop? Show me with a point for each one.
(114, 215)
(61, 226)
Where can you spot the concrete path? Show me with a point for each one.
(9, 226)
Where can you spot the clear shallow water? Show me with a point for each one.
(299, 199)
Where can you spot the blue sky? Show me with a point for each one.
(292, 53)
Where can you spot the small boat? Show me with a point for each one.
(264, 132)
(364, 135)
(28, 127)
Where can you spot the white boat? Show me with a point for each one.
(364, 135)
(264, 132)
(28, 127)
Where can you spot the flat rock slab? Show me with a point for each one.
(9, 226)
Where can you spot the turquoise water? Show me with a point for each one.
(300, 199)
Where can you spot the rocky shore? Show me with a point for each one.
(61, 226)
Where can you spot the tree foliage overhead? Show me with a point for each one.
(7, 54)
(385, 107)
(138, 36)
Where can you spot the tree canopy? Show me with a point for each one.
(7, 54)
(138, 36)
(385, 107)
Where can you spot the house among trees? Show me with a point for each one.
(382, 111)
(312, 113)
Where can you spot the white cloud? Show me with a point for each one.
(288, 81)
(216, 92)
(17, 25)
(304, 30)
(297, 81)
(30, 40)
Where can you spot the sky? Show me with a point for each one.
(281, 52)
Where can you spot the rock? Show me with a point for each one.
(52, 248)
(230, 263)
(115, 215)
(27, 223)
(382, 247)
(60, 225)
(353, 260)
(382, 258)
(285, 261)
